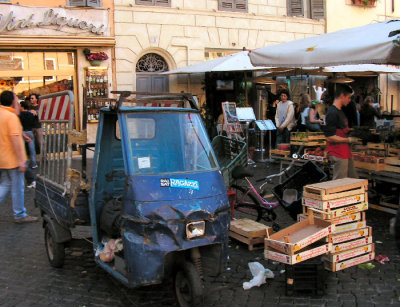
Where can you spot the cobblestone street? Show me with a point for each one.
(27, 279)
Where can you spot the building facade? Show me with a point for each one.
(159, 35)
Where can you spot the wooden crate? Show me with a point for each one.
(308, 142)
(307, 136)
(337, 266)
(335, 189)
(341, 237)
(334, 203)
(350, 253)
(393, 152)
(392, 164)
(308, 253)
(351, 244)
(249, 232)
(280, 153)
(339, 220)
(297, 236)
(351, 226)
(377, 166)
(339, 212)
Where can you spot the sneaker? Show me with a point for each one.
(26, 219)
(32, 185)
(34, 166)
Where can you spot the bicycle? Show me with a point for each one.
(248, 201)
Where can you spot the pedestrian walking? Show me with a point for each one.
(28, 123)
(336, 131)
(37, 129)
(13, 157)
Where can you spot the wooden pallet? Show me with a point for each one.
(335, 189)
(249, 232)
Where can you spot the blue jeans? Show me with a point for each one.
(282, 136)
(13, 180)
(31, 147)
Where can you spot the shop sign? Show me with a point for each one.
(17, 18)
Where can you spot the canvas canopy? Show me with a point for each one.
(239, 61)
(377, 43)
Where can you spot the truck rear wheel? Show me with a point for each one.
(55, 251)
(188, 286)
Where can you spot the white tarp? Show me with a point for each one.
(234, 62)
(377, 43)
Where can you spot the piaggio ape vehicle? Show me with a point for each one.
(155, 188)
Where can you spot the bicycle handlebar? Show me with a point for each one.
(296, 157)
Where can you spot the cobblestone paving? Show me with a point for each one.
(26, 278)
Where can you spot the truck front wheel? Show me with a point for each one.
(397, 229)
(188, 286)
(55, 251)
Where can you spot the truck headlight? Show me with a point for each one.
(195, 229)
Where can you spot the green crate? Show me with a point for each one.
(230, 153)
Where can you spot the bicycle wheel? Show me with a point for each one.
(247, 204)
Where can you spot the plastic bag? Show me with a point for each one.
(258, 272)
(111, 246)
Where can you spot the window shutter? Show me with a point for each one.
(94, 3)
(145, 2)
(225, 5)
(317, 9)
(163, 3)
(241, 5)
(295, 8)
(76, 2)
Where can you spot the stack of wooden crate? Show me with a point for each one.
(342, 202)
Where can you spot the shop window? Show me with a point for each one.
(232, 5)
(154, 2)
(314, 9)
(91, 3)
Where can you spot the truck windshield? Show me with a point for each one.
(169, 143)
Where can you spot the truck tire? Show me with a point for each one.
(397, 229)
(188, 286)
(55, 251)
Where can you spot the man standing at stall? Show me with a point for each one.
(336, 132)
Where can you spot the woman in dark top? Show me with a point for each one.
(368, 113)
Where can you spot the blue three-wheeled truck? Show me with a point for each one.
(155, 200)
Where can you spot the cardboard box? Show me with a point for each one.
(351, 244)
(299, 235)
(337, 266)
(341, 237)
(335, 203)
(308, 253)
(350, 253)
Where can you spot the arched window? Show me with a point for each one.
(152, 63)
